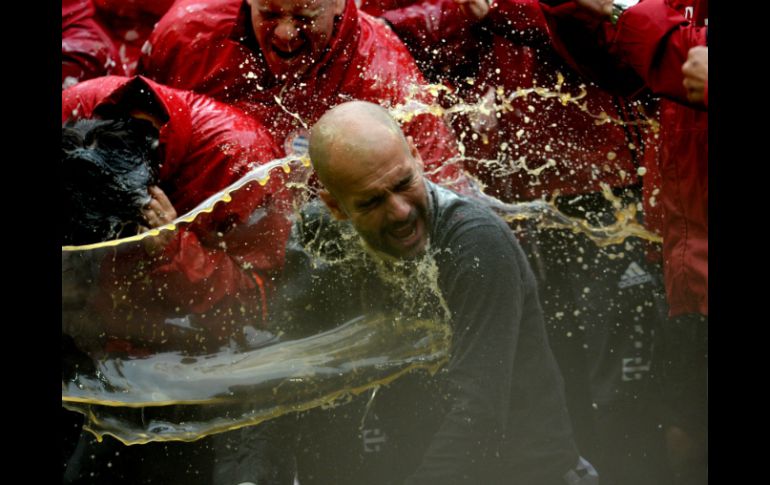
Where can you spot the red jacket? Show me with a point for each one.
(129, 23)
(650, 42)
(364, 60)
(654, 38)
(87, 50)
(205, 146)
(512, 48)
(436, 32)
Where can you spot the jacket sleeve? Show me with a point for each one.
(87, 50)
(223, 257)
(432, 24)
(654, 40)
(197, 277)
(224, 254)
(581, 40)
(424, 25)
(519, 20)
(644, 49)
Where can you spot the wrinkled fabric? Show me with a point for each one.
(364, 60)
(129, 23)
(87, 50)
(654, 38)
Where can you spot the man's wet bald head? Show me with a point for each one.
(373, 177)
(350, 133)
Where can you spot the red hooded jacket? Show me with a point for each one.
(654, 37)
(205, 146)
(87, 50)
(364, 60)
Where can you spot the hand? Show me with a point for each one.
(602, 8)
(696, 73)
(158, 212)
(476, 8)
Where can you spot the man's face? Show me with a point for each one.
(385, 199)
(293, 33)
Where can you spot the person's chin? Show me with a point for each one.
(411, 245)
(282, 64)
(415, 251)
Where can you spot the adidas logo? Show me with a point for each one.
(634, 275)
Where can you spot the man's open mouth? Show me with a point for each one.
(405, 232)
(289, 54)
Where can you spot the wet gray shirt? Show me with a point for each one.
(494, 414)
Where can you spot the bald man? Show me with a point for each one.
(495, 413)
(373, 176)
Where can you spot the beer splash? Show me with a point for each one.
(184, 395)
(172, 397)
(413, 107)
(543, 212)
(547, 216)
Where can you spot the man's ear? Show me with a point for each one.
(333, 205)
(415, 153)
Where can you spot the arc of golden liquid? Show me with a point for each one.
(549, 216)
(260, 174)
(363, 354)
(412, 107)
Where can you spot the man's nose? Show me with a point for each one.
(286, 31)
(399, 208)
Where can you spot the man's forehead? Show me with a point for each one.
(293, 5)
(365, 183)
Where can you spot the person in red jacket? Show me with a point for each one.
(651, 42)
(286, 62)
(656, 37)
(208, 266)
(654, 41)
(87, 50)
